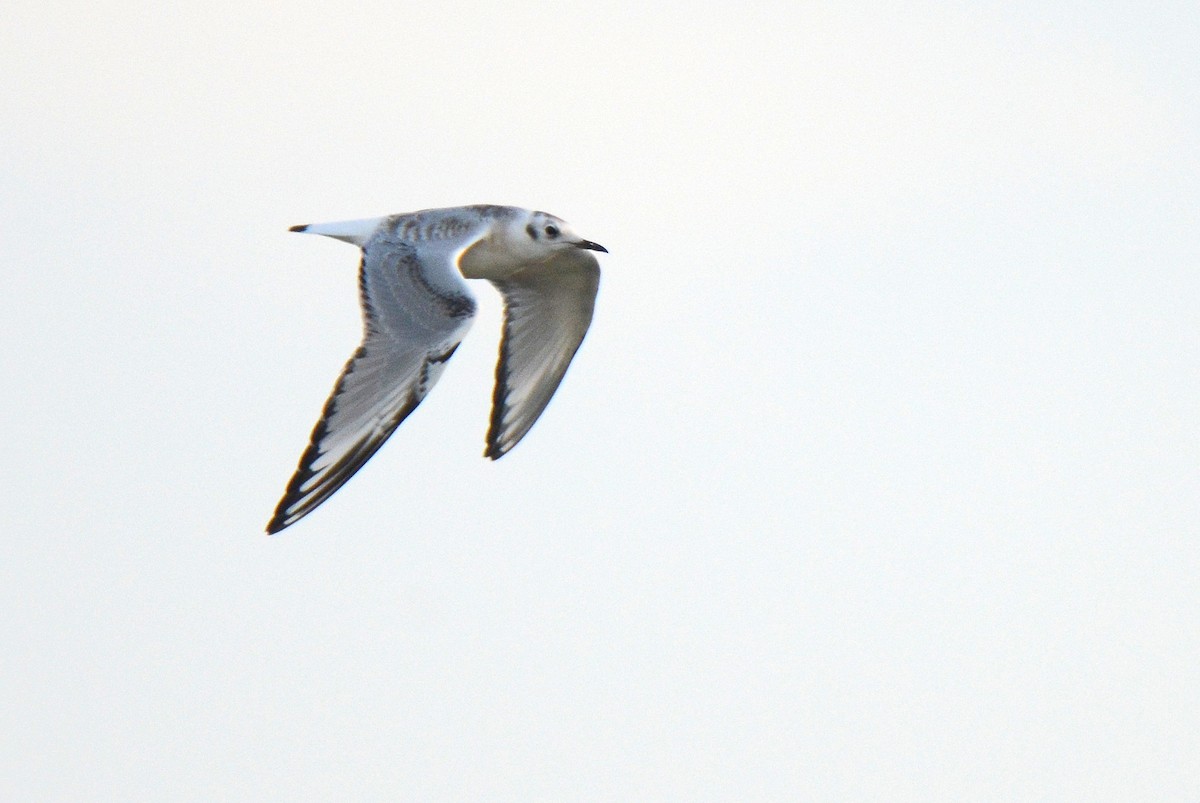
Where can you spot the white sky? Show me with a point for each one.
(876, 477)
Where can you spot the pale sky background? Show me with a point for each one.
(877, 476)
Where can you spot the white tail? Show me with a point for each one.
(356, 232)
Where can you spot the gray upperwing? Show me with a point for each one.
(547, 311)
(415, 313)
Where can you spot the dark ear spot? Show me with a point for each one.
(531, 231)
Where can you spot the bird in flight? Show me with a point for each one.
(417, 308)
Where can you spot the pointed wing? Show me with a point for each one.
(416, 310)
(547, 310)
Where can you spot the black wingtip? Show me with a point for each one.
(299, 228)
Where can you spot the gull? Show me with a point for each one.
(417, 308)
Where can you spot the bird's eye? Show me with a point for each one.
(552, 232)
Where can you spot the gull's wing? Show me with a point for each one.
(416, 310)
(547, 310)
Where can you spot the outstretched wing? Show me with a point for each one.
(416, 310)
(547, 310)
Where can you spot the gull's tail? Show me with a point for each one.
(356, 232)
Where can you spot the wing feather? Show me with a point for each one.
(415, 313)
(547, 311)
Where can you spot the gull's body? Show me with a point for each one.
(416, 310)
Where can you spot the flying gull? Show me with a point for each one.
(417, 309)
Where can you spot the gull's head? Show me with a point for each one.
(518, 239)
(541, 234)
